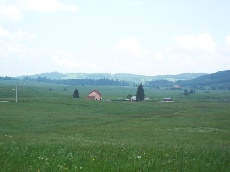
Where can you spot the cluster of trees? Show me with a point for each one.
(220, 87)
(159, 83)
(186, 92)
(5, 78)
(89, 82)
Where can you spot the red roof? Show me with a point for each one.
(96, 92)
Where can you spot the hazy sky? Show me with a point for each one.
(149, 37)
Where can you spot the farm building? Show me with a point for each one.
(94, 95)
(167, 99)
(176, 86)
(146, 99)
(134, 98)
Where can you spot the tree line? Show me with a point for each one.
(5, 78)
(82, 82)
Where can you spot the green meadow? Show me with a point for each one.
(48, 130)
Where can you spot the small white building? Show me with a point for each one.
(176, 86)
(133, 98)
(146, 99)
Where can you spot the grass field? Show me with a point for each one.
(48, 130)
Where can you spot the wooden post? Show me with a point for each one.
(16, 93)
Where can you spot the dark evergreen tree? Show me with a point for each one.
(186, 92)
(76, 94)
(140, 93)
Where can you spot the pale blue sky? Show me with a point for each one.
(114, 36)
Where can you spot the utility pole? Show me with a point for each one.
(16, 92)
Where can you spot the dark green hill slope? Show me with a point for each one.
(219, 79)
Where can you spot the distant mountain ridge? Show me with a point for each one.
(118, 76)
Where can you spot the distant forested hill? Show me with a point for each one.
(82, 82)
(218, 80)
(51, 75)
(132, 78)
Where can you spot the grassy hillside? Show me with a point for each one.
(48, 130)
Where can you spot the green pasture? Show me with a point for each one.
(48, 130)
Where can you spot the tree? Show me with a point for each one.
(140, 93)
(186, 92)
(191, 91)
(129, 96)
(76, 94)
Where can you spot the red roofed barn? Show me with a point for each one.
(94, 95)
